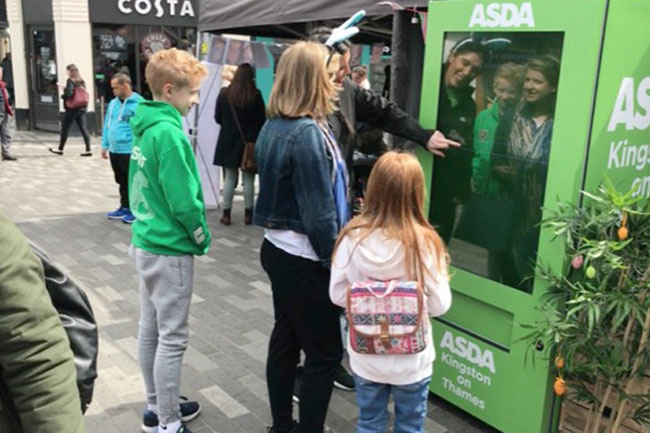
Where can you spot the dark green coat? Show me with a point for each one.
(38, 389)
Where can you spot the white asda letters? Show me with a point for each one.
(502, 15)
(144, 7)
(459, 346)
(625, 112)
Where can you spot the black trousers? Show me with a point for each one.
(120, 165)
(79, 117)
(305, 319)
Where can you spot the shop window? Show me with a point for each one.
(114, 49)
(497, 97)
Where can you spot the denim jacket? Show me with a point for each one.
(296, 182)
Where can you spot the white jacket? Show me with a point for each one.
(381, 258)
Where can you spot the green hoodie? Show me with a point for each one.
(164, 185)
(485, 127)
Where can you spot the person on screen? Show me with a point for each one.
(507, 86)
(524, 140)
(456, 112)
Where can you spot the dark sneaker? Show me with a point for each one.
(86, 154)
(56, 151)
(118, 214)
(297, 384)
(128, 218)
(344, 380)
(8, 157)
(189, 411)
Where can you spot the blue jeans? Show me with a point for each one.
(410, 406)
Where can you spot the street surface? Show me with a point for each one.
(60, 204)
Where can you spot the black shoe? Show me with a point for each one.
(344, 380)
(89, 153)
(9, 158)
(297, 384)
(272, 429)
(56, 151)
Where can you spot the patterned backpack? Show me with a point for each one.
(387, 317)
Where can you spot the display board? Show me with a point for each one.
(515, 84)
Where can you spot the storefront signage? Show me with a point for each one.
(502, 15)
(154, 42)
(146, 12)
(144, 7)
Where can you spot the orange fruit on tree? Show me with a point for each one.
(559, 387)
(559, 362)
(622, 233)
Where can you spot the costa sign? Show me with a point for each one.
(161, 7)
(146, 12)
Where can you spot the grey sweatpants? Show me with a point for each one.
(165, 294)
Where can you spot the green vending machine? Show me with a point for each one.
(546, 98)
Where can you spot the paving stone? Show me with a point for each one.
(60, 203)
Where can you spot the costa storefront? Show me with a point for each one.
(125, 33)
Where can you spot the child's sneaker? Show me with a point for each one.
(118, 213)
(128, 218)
(189, 411)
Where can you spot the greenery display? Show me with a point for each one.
(596, 317)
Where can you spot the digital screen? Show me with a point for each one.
(497, 98)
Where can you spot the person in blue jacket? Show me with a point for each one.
(117, 138)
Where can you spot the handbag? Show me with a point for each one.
(387, 317)
(79, 98)
(78, 321)
(247, 163)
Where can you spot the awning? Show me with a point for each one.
(221, 15)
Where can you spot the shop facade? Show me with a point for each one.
(101, 37)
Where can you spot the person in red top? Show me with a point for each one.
(5, 113)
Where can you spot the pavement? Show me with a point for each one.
(60, 203)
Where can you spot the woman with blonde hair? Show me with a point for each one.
(391, 240)
(302, 204)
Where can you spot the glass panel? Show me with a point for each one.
(45, 81)
(497, 97)
(114, 51)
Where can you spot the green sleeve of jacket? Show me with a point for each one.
(181, 185)
(36, 363)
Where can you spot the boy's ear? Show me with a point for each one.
(167, 90)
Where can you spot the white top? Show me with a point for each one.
(294, 243)
(381, 258)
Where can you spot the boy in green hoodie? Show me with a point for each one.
(169, 230)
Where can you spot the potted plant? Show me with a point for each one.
(595, 319)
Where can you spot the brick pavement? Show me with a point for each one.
(60, 204)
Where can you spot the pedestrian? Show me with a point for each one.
(169, 230)
(393, 241)
(117, 138)
(360, 77)
(7, 67)
(38, 387)
(302, 204)
(240, 112)
(73, 86)
(6, 113)
(356, 104)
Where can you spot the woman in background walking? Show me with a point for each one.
(241, 114)
(73, 114)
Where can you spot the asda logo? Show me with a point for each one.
(469, 351)
(632, 106)
(502, 15)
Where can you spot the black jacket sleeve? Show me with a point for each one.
(379, 112)
(218, 109)
(69, 89)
